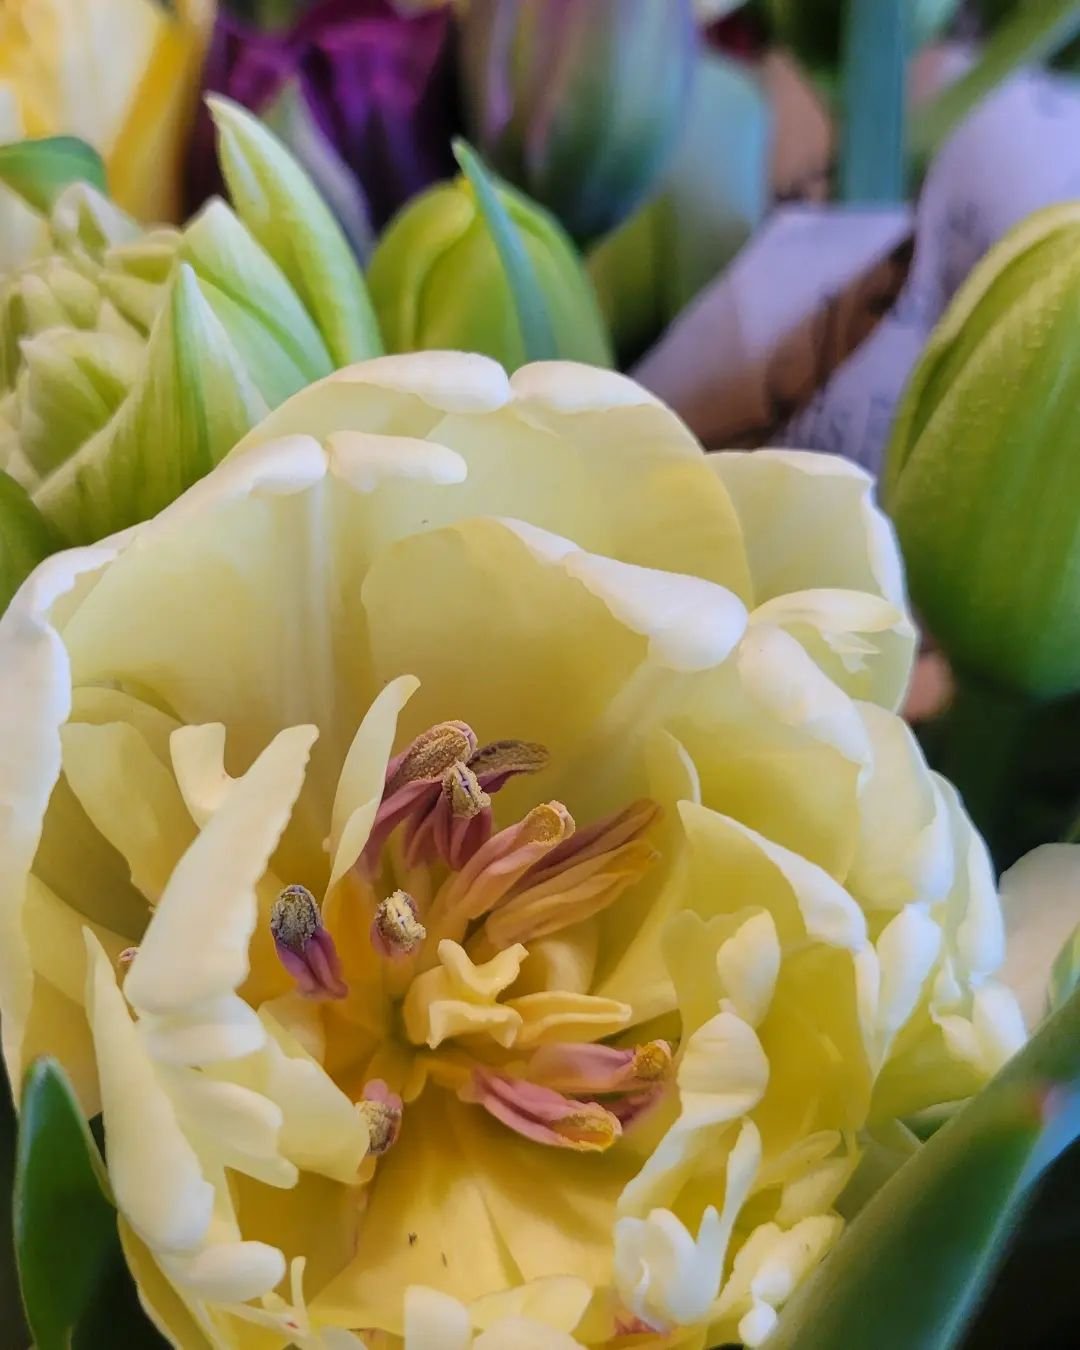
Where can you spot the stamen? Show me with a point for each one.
(304, 947)
(542, 1115)
(396, 929)
(495, 867)
(431, 754)
(382, 1111)
(462, 790)
(493, 764)
(602, 1070)
(126, 957)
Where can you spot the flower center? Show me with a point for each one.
(460, 967)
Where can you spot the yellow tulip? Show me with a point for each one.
(122, 74)
(467, 847)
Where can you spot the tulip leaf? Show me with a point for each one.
(1065, 972)
(39, 170)
(1031, 33)
(534, 318)
(915, 1263)
(10, 1301)
(25, 538)
(280, 205)
(64, 1221)
(876, 43)
(192, 402)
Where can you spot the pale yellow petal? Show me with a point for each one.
(197, 946)
(155, 1174)
(131, 798)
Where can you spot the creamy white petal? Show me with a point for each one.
(197, 946)
(155, 1174)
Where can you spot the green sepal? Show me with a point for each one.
(193, 401)
(278, 203)
(40, 170)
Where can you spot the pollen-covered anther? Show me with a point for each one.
(126, 957)
(396, 929)
(432, 753)
(381, 1110)
(548, 823)
(653, 1062)
(304, 947)
(462, 790)
(543, 1115)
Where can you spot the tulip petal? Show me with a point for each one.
(213, 887)
(155, 1175)
(131, 798)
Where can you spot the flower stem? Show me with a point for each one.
(977, 745)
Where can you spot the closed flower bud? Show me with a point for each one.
(132, 360)
(982, 478)
(579, 103)
(438, 281)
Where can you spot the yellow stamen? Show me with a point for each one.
(592, 1129)
(462, 787)
(294, 918)
(397, 924)
(652, 1061)
(383, 1122)
(548, 823)
(433, 752)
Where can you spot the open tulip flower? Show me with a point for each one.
(122, 74)
(467, 848)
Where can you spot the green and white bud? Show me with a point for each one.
(438, 280)
(132, 360)
(983, 477)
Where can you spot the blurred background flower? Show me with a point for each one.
(122, 74)
(362, 92)
(579, 102)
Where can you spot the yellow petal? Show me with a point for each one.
(131, 798)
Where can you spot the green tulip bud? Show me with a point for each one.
(132, 360)
(24, 538)
(982, 476)
(438, 280)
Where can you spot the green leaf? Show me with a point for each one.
(1031, 33)
(1065, 972)
(915, 1263)
(281, 207)
(876, 42)
(192, 402)
(534, 319)
(65, 1224)
(10, 1301)
(39, 170)
(25, 538)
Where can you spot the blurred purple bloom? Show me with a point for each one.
(363, 94)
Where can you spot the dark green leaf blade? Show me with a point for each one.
(39, 170)
(537, 332)
(64, 1221)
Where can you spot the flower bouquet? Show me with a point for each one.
(467, 878)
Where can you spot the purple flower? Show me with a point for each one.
(364, 95)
